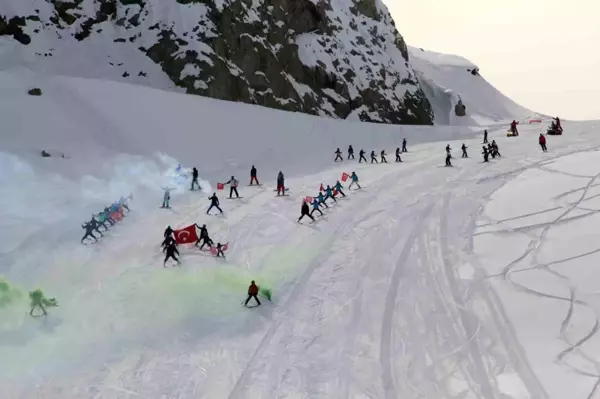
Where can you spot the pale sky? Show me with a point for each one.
(544, 54)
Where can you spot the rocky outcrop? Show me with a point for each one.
(342, 58)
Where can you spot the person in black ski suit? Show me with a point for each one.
(233, 183)
(280, 184)
(373, 157)
(166, 242)
(485, 135)
(448, 155)
(89, 230)
(404, 145)
(361, 156)
(214, 203)
(305, 211)
(486, 154)
(253, 177)
(338, 155)
(491, 150)
(398, 159)
(195, 179)
(168, 232)
(220, 250)
(495, 149)
(350, 152)
(464, 151)
(383, 159)
(170, 251)
(203, 233)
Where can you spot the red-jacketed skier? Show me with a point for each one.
(252, 293)
(542, 141)
(513, 127)
(280, 184)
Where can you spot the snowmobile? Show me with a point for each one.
(553, 130)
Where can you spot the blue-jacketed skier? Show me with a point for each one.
(354, 179)
(338, 186)
(316, 204)
(329, 194)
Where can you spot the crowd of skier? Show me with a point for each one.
(106, 218)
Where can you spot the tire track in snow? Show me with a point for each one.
(390, 306)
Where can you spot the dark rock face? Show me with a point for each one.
(343, 59)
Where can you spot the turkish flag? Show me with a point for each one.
(345, 176)
(186, 235)
(321, 188)
(220, 186)
(308, 200)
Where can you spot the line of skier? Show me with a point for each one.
(361, 155)
(326, 193)
(106, 218)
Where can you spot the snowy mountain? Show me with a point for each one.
(339, 58)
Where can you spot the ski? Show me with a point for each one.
(234, 198)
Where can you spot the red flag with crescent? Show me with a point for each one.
(186, 235)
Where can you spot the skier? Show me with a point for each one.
(404, 145)
(350, 152)
(486, 154)
(123, 203)
(89, 230)
(329, 194)
(316, 204)
(252, 293)
(495, 149)
(373, 157)
(485, 137)
(106, 213)
(203, 233)
(253, 176)
(166, 242)
(166, 198)
(542, 142)
(220, 250)
(464, 151)
(383, 159)
(233, 183)
(170, 252)
(448, 155)
(491, 151)
(168, 232)
(321, 199)
(338, 155)
(280, 184)
(354, 179)
(362, 156)
(101, 218)
(195, 179)
(305, 211)
(513, 127)
(338, 186)
(398, 159)
(214, 203)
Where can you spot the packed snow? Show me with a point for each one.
(475, 281)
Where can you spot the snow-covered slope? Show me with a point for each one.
(339, 58)
(446, 79)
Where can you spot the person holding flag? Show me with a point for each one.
(338, 187)
(321, 199)
(233, 183)
(354, 179)
(305, 211)
(316, 204)
(329, 194)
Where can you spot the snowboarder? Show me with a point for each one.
(404, 145)
(305, 211)
(167, 198)
(220, 250)
(485, 137)
(448, 155)
(362, 156)
(542, 141)
(253, 177)
(464, 151)
(170, 251)
(383, 159)
(316, 204)
(214, 203)
(280, 184)
(338, 155)
(233, 183)
(89, 230)
(354, 179)
(338, 187)
(495, 149)
(373, 157)
(398, 159)
(195, 179)
(252, 293)
(329, 194)
(486, 154)
(350, 152)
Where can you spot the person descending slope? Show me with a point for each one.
(166, 242)
(321, 199)
(362, 156)
(542, 141)
(338, 187)
(220, 250)
(448, 155)
(89, 230)
(383, 159)
(398, 159)
(170, 252)
(233, 183)
(373, 157)
(167, 198)
(404, 145)
(485, 135)
(464, 151)
(203, 234)
(305, 211)
(338, 155)
(486, 154)
(252, 293)
(495, 149)
(168, 232)
(316, 204)
(195, 179)
(214, 203)
(354, 179)
(280, 184)
(329, 194)
(253, 177)
(350, 152)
